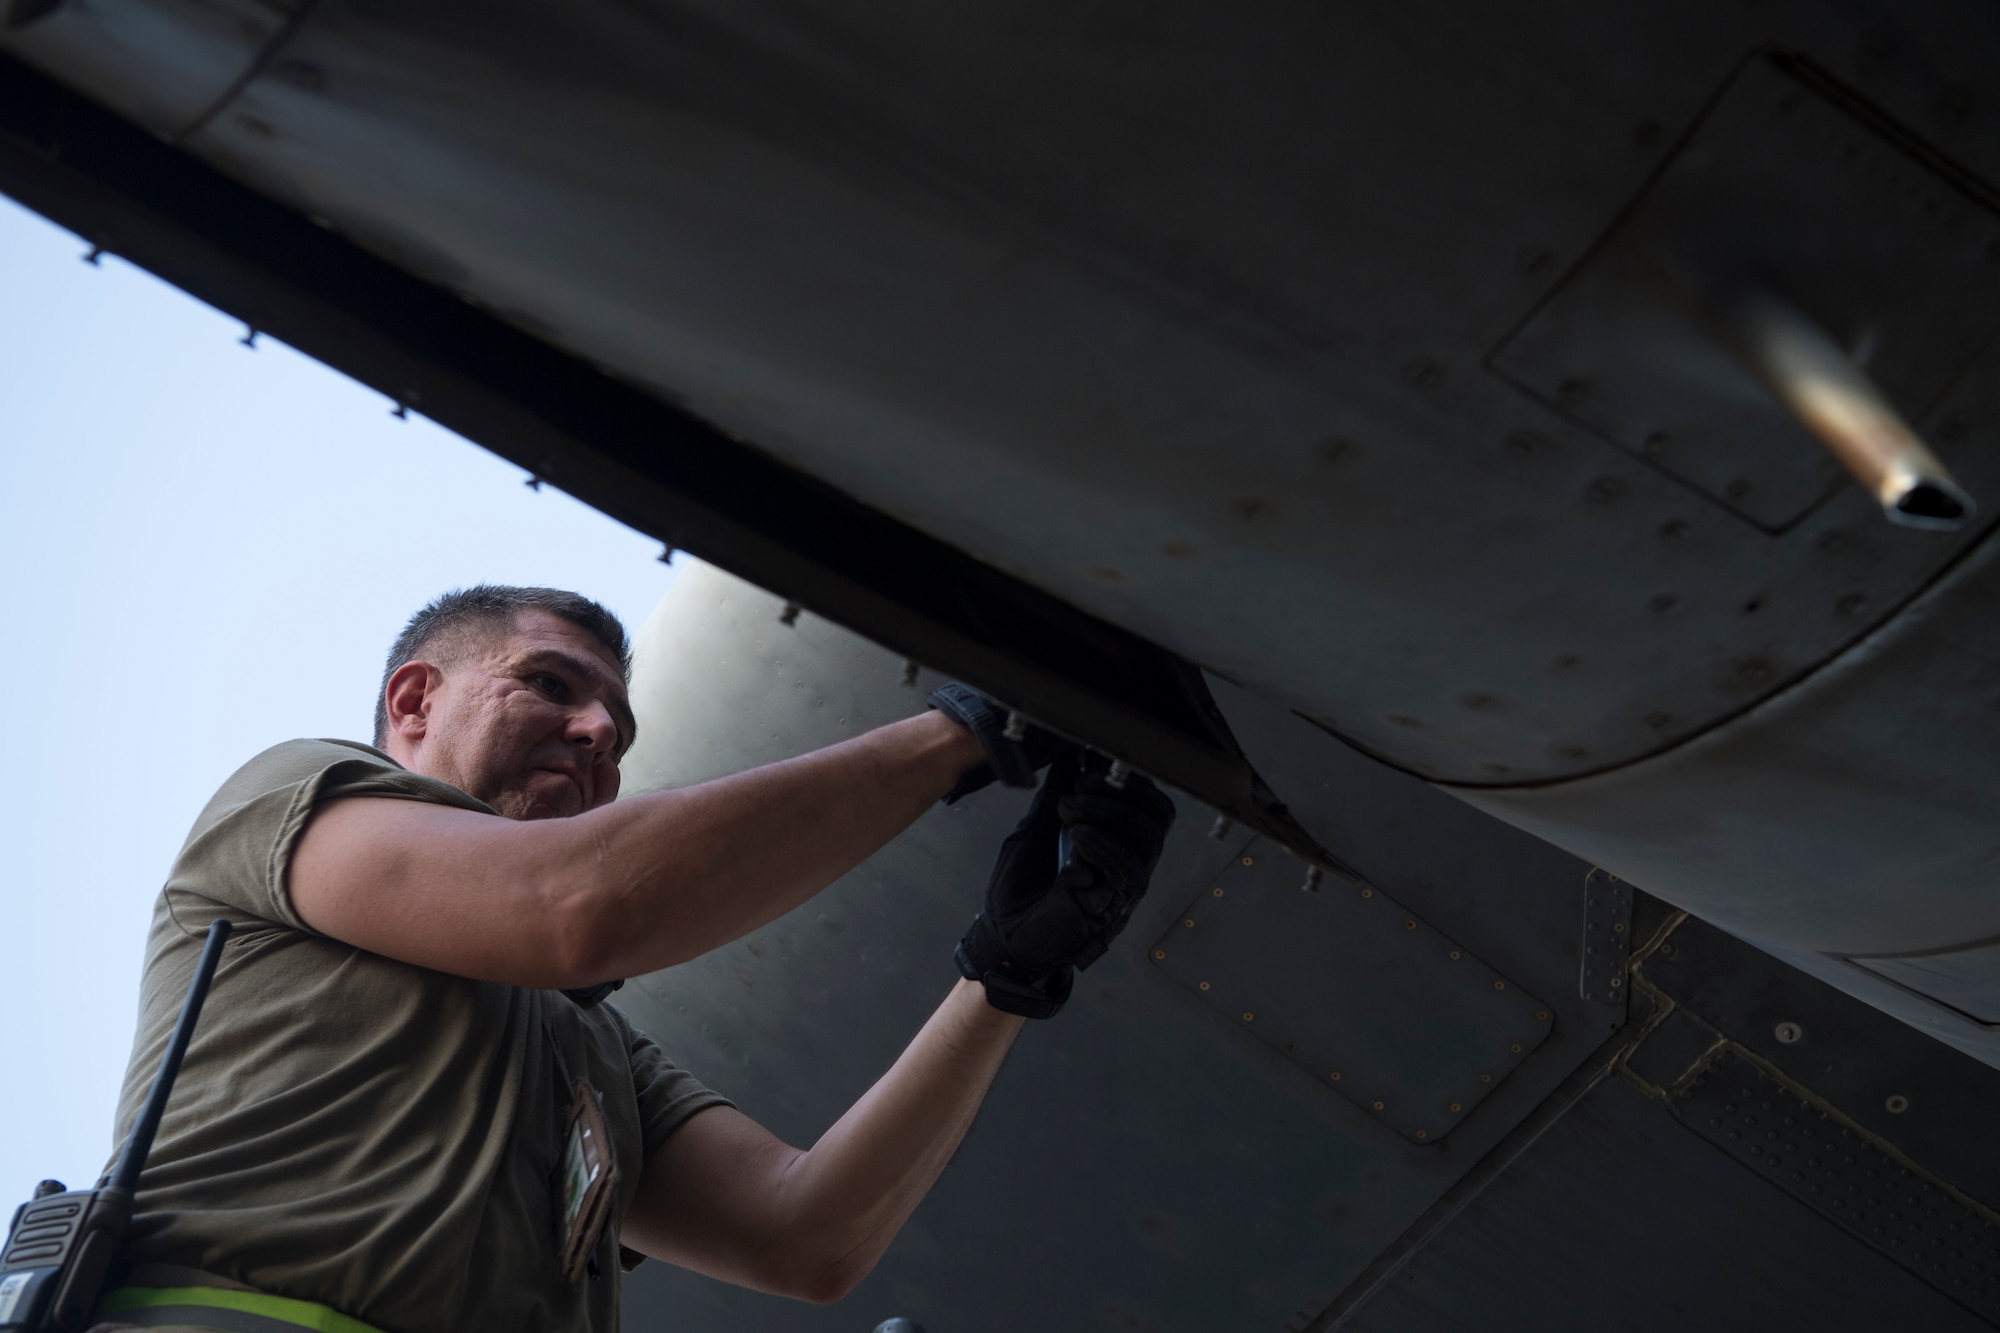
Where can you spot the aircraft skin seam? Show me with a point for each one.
(258, 64)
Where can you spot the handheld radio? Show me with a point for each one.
(60, 1247)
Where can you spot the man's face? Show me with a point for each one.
(532, 721)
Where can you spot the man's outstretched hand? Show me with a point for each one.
(1012, 761)
(1064, 885)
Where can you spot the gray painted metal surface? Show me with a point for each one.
(1607, 938)
(166, 64)
(1926, 1098)
(1853, 814)
(1903, 1213)
(1779, 188)
(1622, 1221)
(1142, 1157)
(1353, 988)
(1202, 311)
(1752, 1166)
(1967, 980)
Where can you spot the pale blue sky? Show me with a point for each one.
(210, 549)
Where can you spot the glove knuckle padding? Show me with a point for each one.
(1110, 855)
(1042, 919)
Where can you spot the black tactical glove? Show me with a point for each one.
(1013, 762)
(1064, 885)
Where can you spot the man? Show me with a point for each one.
(406, 1108)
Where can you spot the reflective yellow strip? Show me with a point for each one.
(281, 1309)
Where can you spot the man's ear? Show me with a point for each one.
(411, 690)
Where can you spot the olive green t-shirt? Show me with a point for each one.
(348, 1129)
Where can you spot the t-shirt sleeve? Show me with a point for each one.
(667, 1094)
(238, 854)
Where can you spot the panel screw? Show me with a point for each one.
(1204, 985)
(1409, 925)
(1515, 1048)
(1897, 1104)
(1249, 860)
(1617, 927)
(1616, 982)
(1422, 1135)
(1455, 955)
(1499, 985)
(1249, 1017)
(1368, 893)
(1217, 890)
(1454, 1106)
(1378, 1106)
(1788, 1033)
(1542, 1015)
(1334, 1076)
(1189, 923)
(1159, 953)
(1486, 1078)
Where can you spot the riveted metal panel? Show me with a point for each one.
(1890, 1081)
(1813, 1214)
(1351, 986)
(1607, 937)
(1906, 1213)
(1189, 336)
(1620, 1221)
(1781, 187)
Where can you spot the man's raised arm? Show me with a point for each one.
(625, 889)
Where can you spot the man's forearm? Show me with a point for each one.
(725, 1198)
(853, 1190)
(634, 886)
(678, 873)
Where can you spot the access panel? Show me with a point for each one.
(1346, 982)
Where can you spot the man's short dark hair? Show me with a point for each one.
(486, 607)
